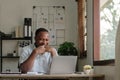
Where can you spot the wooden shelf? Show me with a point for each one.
(9, 56)
(25, 38)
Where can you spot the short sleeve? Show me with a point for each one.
(24, 55)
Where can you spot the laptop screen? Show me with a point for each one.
(63, 65)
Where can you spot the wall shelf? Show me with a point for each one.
(4, 56)
(26, 38)
(9, 56)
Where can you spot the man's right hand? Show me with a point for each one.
(39, 50)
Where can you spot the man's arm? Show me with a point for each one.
(28, 64)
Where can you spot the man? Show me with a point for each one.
(37, 57)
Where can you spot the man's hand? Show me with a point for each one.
(42, 49)
(51, 50)
(48, 48)
(39, 50)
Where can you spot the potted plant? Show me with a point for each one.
(67, 48)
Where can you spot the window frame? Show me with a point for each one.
(96, 37)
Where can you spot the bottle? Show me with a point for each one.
(25, 29)
(29, 27)
(14, 53)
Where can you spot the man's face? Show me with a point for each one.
(42, 39)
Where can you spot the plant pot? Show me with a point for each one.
(87, 71)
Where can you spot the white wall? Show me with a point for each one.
(117, 48)
(109, 71)
(13, 12)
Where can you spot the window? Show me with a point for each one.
(106, 17)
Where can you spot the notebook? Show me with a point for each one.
(63, 65)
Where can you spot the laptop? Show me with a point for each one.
(63, 65)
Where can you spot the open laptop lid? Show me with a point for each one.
(63, 65)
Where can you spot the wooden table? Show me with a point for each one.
(53, 76)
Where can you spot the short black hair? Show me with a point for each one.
(40, 30)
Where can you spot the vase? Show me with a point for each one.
(87, 71)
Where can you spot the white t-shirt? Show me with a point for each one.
(41, 63)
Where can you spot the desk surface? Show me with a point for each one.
(52, 76)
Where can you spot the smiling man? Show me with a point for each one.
(37, 57)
